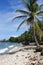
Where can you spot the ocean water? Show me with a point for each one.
(7, 45)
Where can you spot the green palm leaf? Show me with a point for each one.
(22, 16)
(32, 1)
(40, 13)
(27, 4)
(23, 12)
(20, 25)
(34, 7)
(38, 20)
(29, 20)
(41, 7)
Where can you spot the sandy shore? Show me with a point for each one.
(22, 58)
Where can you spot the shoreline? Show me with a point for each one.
(11, 49)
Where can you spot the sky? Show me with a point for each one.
(8, 27)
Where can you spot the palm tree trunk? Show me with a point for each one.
(36, 41)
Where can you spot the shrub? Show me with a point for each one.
(12, 39)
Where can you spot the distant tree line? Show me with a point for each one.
(24, 38)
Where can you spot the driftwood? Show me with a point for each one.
(24, 47)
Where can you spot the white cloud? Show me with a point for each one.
(14, 35)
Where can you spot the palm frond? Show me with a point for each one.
(32, 2)
(38, 20)
(23, 12)
(40, 13)
(20, 25)
(29, 21)
(34, 7)
(31, 5)
(22, 16)
(27, 4)
(40, 25)
(41, 7)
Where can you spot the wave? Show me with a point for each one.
(3, 50)
(6, 49)
(9, 49)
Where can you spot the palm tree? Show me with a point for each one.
(31, 15)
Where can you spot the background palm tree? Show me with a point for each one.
(31, 16)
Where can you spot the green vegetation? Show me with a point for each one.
(13, 39)
(25, 37)
(31, 18)
(35, 34)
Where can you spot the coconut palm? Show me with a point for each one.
(31, 16)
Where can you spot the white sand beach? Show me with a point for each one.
(26, 57)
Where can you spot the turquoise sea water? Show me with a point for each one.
(5, 45)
